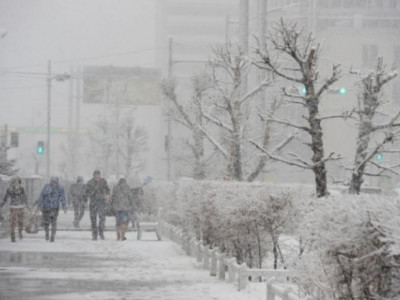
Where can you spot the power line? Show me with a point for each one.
(22, 87)
(85, 58)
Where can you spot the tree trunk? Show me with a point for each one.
(364, 137)
(275, 251)
(317, 145)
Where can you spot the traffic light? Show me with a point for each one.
(40, 147)
(379, 157)
(338, 90)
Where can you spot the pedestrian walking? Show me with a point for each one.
(137, 207)
(99, 194)
(18, 202)
(50, 200)
(121, 203)
(78, 198)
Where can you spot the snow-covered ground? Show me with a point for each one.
(74, 267)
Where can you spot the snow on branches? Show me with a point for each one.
(370, 101)
(353, 250)
(293, 56)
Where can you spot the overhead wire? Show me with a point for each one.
(83, 59)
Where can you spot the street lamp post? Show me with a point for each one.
(50, 77)
(48, 118)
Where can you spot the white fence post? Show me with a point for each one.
(231, 271)
(213, 267)
(221, 262)
(270, 292)
(243, 276)
(199, 257)
(206, 258)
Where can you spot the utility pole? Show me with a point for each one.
(48, 118)
(169, 125)
(50, 77)
(70, 106)
(70, 156)
(78, 99)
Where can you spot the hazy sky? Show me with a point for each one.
(76, 31)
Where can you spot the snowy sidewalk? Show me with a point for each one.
(74, 267)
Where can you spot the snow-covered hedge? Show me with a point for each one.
(244, 219)
(349, 244)
(353, 249)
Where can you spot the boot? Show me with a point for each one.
(118, 229)
(101, 234)
(123, 230)
(53, 234)
(46, 231)
(20, 235)
(13, 237)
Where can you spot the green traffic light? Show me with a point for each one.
(379, 157)
(304, 90)
(40, 147)
(342, 91)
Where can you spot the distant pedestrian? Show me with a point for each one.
(18, 202)
(78, 198)
(99, 194)
(122, 203)
(137, 207)
(50, 200)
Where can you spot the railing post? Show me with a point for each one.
(198, 251)
(213, 267)
(231, 271)
(206, 259)
(243, 276)
(221, 271)
(270, 291)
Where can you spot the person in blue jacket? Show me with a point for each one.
(50, 199)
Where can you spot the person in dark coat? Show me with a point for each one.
(99, 194)
(18, 202)
(50, 200)
(78, 198)
(121, 202)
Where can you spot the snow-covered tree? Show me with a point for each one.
(130, 139)
(367, 114)
(7, 166)
(133, 144)
(293, 56)
(188, 115)
(229, 110)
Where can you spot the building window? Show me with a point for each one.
(369, 56)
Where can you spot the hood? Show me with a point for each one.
(54, 179)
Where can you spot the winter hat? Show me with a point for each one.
(54, 179)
